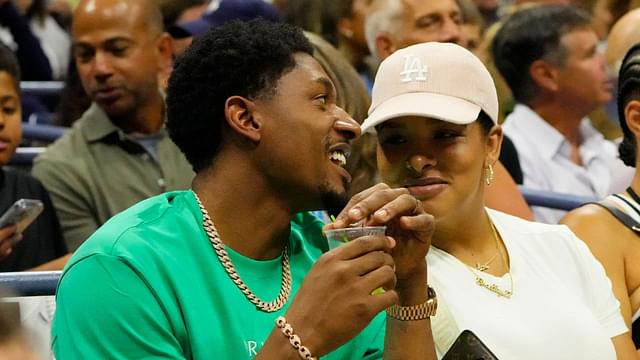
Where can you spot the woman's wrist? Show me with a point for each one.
(413, 290)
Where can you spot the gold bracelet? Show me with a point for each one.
(416, 312)
(295, 341)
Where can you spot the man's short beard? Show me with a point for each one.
(332, 200)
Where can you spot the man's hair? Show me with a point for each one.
(533, 34)
(628, 90)
(237, 59)
(384, 17)
(9, 64)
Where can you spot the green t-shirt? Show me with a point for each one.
(148, 285)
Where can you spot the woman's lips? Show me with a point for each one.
(427, 188)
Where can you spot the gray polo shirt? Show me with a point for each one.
(95, 171)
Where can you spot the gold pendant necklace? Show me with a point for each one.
(486, 265)
(494, 288)
(225, 260)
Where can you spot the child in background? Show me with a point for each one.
(41, 246)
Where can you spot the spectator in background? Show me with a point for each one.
(41, 245)
(341, 23)
(394, 24)
(548, 55)
(118, 152)
(17, 34)
(611, 228)
(472, 26)
(175, 11)
(54, 40)
(217, 13)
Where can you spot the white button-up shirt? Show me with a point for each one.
(545, 159)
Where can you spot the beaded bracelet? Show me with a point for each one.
(287, 330)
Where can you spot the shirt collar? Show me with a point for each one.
(100, 126)
(548, 139)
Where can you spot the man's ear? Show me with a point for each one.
(544, 75)
(164, 49)
(632, 116)
(240, 115)
(385, 46)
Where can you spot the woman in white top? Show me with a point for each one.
(615, 244)
(527, 290)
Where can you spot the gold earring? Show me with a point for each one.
(489, 175)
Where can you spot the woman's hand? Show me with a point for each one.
(407, 223)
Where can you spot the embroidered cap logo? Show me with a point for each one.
(413, 70)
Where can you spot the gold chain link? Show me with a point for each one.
(225, 260)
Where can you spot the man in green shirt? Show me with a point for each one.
(227, 270)
(118, 152)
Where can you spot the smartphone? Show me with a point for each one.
(469, 346)
(22, 213)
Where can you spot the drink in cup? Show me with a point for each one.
(339, 237)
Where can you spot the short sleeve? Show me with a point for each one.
(105, 310)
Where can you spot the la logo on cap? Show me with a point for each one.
(413, 70)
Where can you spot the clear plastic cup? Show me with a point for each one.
(338, 237)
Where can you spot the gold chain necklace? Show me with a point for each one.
(225, 260)
(487, 265)
(494, 288)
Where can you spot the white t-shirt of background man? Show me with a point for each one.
(562, 305)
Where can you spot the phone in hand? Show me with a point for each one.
(21, 213)
(469, 346)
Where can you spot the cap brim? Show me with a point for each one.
(437, 106)
(188, 29)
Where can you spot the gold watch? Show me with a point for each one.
(416, 312)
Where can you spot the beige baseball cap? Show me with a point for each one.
(438, 80)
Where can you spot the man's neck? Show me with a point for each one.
(565, 119)
(250, 218)
(146, 119)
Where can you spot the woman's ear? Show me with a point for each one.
(240, 115)
(494, 143)
(632, 117)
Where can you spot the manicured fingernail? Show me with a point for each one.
(356, 213)
(382, 213)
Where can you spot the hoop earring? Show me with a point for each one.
(412, 171)
(489, 176)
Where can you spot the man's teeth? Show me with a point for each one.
(339, 157)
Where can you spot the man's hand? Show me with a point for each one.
(335, 302)
(8, 239)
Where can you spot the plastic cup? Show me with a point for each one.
(338, 237)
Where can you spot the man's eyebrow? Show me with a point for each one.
(327, 83)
